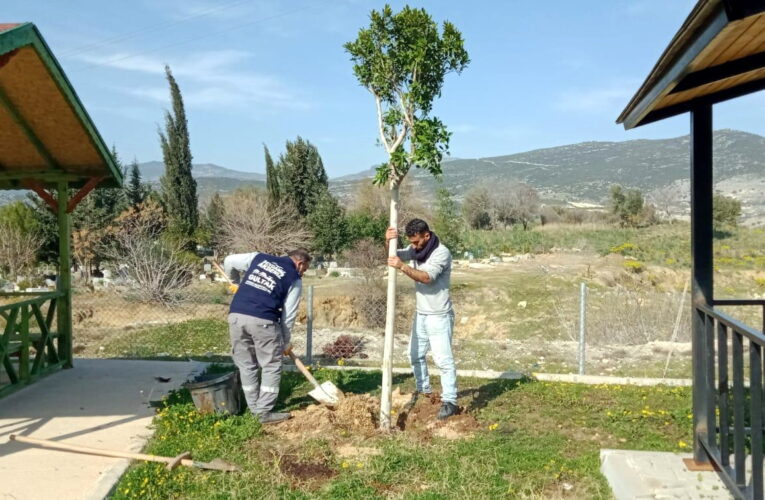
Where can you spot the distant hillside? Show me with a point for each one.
(210, 178)
(584, 172)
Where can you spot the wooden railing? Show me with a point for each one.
(733, 398)
(30, 343)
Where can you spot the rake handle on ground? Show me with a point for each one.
(46, 443)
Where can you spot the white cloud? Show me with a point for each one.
(593, 100)
(209, 79)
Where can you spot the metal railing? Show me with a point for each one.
(732, 417)
(30, 346)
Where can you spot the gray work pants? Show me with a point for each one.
(257, 348)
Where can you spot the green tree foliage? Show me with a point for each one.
(213, 221)
(21, 216)
(301, 175)
(447, 221)
(627, 205)
(402, 60)
(135, 190)
(272, 178)
(328, 224)
(725, 211)
(179, 189)
(363, 225)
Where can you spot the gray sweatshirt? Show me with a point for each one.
(433, 297)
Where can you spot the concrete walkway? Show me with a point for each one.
(641, 475)
(100, 403)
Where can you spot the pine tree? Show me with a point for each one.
(272, 178)
(135, 191)
(214, 219)
(179, 189)
(329, 225)
(302, 177)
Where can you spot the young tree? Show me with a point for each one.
(135, 191)
(179, 189)
(272, 178)
(725, 211)
(447, 222)
(329, 226)
(301, 175)
(402, 59)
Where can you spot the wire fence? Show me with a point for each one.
(627, 332)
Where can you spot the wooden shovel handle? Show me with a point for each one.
(303, 369)
(45, 443)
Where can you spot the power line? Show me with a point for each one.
(156, 27)
(197, 37)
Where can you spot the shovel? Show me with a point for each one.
(326, 393)
(172, 462)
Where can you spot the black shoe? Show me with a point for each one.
(447, 410)
(273, 418)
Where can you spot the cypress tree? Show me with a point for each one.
(179, 189)
(272, 178)
(303, 178)
(214, 219)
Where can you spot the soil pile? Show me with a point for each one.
(357, 415)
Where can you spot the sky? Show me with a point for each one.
(254, 72)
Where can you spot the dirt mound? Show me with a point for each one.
(302, 472)
(357, 415)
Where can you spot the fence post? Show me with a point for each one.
(309, 327)
(582, 324)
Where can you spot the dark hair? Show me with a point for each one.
(301, 254)
(416, 226)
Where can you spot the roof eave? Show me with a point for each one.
(707, 25)
(27, 34)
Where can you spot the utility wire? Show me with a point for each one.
(148, 29)
(195, 38)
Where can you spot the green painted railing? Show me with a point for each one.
(31, 344)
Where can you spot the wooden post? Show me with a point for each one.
(701, 276)
(64, 281)
(390, 321)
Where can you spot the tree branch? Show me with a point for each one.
(380, 124)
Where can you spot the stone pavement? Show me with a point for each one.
(101, 403)
(657, 475)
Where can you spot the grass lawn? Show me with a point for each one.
(535, 440)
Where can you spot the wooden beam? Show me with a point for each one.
(27, 130)
(702, 275)
(720, 72)
(82, 193)
(42, 193)
(706, 100)
(42, 175)
(64, 279)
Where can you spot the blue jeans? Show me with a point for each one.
(434, 331)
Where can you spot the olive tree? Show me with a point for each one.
(402, 59)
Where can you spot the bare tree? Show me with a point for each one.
(375, 200)
(478, 209)
(18, 249)
(157, 267)
(665, 198)
(524, 203)
(252, 223)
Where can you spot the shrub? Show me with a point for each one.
(634, 266)
(345, 346)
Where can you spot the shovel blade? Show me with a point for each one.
(327, 393)
(217, 464)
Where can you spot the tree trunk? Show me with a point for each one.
(390, 319)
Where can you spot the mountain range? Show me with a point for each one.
(574, 173)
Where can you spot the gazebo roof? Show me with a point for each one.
(46, 136)
(718, 54)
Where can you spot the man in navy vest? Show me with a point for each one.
(260, 321)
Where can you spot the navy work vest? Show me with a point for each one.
(264, 287)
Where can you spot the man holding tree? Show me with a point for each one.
(434, 318)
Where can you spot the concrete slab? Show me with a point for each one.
(652, 475)
(99, 403)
